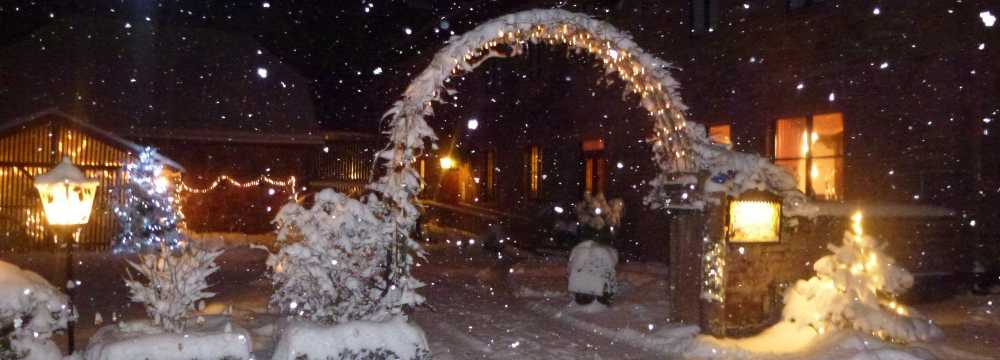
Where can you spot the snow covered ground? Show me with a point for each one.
(518, 308)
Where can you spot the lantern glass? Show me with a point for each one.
(67, 196)
(754, 220)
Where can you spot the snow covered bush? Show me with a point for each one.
(175, 281)
(599, 217)
(855, 287)
(146, 207)
(592, 270)
(31, 310)
(339, 261)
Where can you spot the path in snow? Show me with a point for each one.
(473, 313)
(472, 320)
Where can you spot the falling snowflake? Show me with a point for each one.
(988, 18)
(262, 72)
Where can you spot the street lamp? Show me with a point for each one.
(67, 199)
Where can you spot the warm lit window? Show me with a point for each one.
(534, 171)
(720, 134)
(594, 166)
(812, 149)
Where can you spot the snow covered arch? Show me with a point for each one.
(680, 148)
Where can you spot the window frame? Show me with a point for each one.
(809, 157)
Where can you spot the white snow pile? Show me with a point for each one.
(332, 266)
(391, 339)
(785, 340)
(592, 269)
(31, 309)
(216, 338)
(174, 283)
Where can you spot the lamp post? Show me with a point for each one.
(67, 197)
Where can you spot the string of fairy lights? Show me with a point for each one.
(290, 183)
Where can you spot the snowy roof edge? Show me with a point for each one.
(88, 127)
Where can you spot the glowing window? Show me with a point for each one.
(811, 148)
(534, 171)
(720, 134)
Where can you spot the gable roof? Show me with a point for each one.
(82, 124)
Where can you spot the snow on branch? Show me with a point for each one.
(176, 280)
(339, 261)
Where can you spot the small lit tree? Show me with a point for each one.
(856, 287)
(146, 208)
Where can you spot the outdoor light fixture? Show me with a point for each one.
(754, 217)
(67, 198)
(67, 195)
(447, 163)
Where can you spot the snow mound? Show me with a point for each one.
(592, 268)
(785, 339)
(26, 296)
(392, 339)
(217, 338)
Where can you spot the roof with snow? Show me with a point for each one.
(145, 76)
(84, 125)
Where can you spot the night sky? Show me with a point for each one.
(356, 55)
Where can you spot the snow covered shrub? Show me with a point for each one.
(146, 207)
(31, 310)
(855, 287)
(175, 281)
(599, 217)
(340, 260)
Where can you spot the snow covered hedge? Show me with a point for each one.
(31, 310)
(394, 339)
(215, 338)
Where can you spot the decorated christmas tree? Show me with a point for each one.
(146, 207)
(857, 287)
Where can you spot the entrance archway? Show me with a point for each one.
(681, 149)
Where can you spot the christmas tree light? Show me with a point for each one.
(856, 287)
(146, 208)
